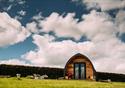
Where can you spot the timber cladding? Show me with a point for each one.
(79, 67)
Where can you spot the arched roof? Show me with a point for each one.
(79, 55)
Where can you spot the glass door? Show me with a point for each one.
(79, 71)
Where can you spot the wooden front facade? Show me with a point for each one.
(79, 67)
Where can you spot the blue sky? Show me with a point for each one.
(48, 33)
(33, 8)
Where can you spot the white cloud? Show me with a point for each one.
(12, 30)
(13, 62)
(21, 2)
(93, 26)
(108, 53)
(32, 27)
(62, 26)
(104, 48)
(105, 4)
(8, 8)
(11, 0)
(8, 4)
(18, 1)
(97, 26)
(51, 53)
(38, 17)
(120, 21)
(18, 17)
(22, 13)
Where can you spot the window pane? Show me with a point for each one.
(82, 71)
(76, 71)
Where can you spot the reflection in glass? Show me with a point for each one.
(76, 71)
(82, 71)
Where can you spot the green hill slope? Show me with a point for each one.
(32, 83)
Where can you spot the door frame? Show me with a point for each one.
(79, 71)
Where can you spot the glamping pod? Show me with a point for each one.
(79, 67)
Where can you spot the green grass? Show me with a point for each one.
(31, 83)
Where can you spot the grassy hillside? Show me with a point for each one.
(31, 83)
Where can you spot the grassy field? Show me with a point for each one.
(31, 83)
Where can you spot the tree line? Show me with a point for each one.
(12, 70)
